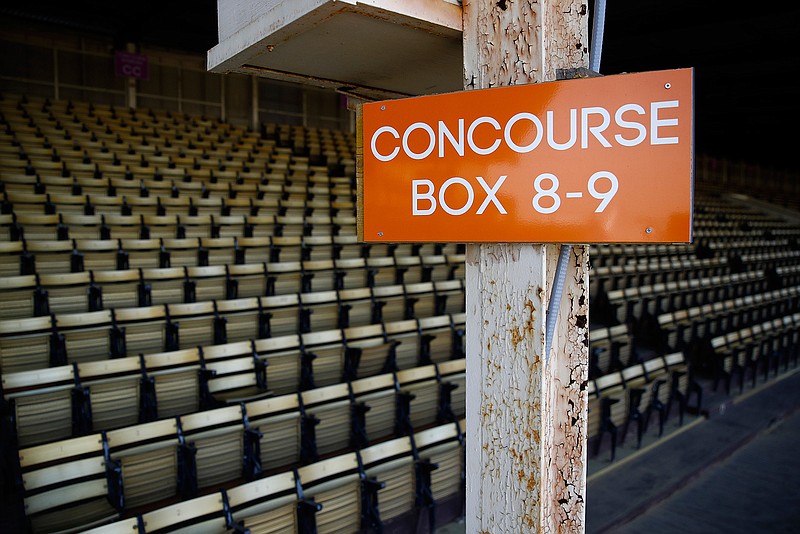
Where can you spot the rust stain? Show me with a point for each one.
(516, 337)
(528, 520)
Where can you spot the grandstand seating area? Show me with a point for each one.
(192, 338)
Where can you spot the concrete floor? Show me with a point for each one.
(733, 469)
(756, 489)
(736, 471)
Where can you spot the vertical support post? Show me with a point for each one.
(222, 100)
(526, 421)
(304, 96)
(254, 123)
(180, 87)
(131, 82)
(56, 88)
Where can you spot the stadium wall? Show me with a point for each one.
(67, 66)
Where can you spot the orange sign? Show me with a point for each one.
(593, 160)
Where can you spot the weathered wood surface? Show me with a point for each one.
(526, 421)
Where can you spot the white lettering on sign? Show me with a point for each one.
(550, 191)
(416, 196)
(573, 131)
(429, 200)
(425, 153)
(546, 192)
(471, 132)
(491, 194)
(546, 200)
(587, 124)
(470, 195)
(596, 131)
(536, 140)
(455, 142)
(379, 131)
(656, 123)
(639, 127)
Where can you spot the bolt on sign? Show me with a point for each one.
(592, 160)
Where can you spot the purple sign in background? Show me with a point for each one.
(132, 65)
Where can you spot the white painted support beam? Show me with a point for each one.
(526, 421)
(366, 48)
(255, 123)
(130, 93)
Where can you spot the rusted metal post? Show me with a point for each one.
(526, 421)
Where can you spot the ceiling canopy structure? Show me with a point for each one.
(369, 49)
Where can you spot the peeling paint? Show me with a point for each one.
(531, 442)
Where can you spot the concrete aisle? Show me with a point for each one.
(755, 490)
(737, 471)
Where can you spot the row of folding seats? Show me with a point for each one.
(727, 223)
(83, 157)
(39, 136)
(633, 394)
(723, 236)
(630, 305)
(90, 204)
(42, 294)
(38, 342)
(750, 246)
(775, 259)
(136, 131)
(21, 258)
(107, 393)
(303, 139)
(420, 387)
(93, 158)
(413, 473)
(728, 228)
(177, 183)
(161, 148)
(760, 347)
(292, 218)
(90, 157)
(683, 327)
(321, 421)
(610, 349)
(756, 222)
(148, 173)
(655, 270)
(715, 204)
(605, 255)
(141, 134)
(173, 138)
(68, 226)
(788, 275)
(58, 114)
(36, 110)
